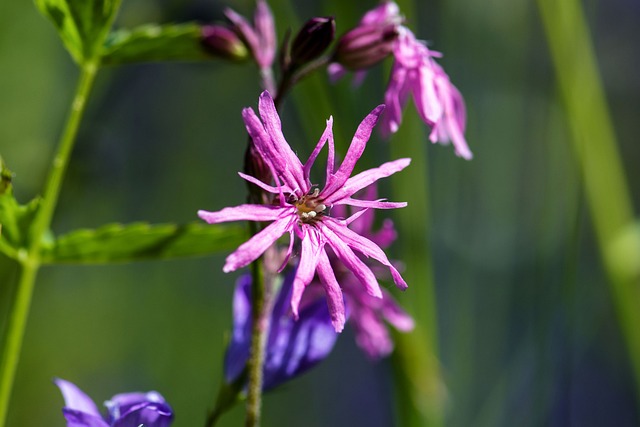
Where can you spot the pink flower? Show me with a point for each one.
(437, 100)
(368, 315)
(303, 211)
(259, 38)
(414, 74)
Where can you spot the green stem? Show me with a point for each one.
(259, 330)
(29, 257)
(418, 383)
(595, 149)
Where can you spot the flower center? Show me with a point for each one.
(310, 207)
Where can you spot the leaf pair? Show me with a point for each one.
(82, 24)
(110, 243)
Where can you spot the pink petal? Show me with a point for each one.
(365, 223)
(351, 260)
(289, 162)
(244, 213)
(334, 293)
(395, 315)
(424, 94)
(256, 181)
(395, 97)
(358, 143)
(386, 235)
(250, 250)
(245, 29)
(266, 30)
(365, 247)
(383, 13)
(376, 204)
(309, 256)
(364, 179)
(326, 135)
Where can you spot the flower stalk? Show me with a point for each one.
(259, 331)
(29, 257)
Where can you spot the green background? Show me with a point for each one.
(527, 330)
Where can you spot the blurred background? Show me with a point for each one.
(527, 328)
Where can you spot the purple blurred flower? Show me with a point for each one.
(415, 73)
(292, 347)
(261, 37)
(437, 101)
(303, 210)
(124, 410)
(368, 315)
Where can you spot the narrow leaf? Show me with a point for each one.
(148, 43)
(115, 243)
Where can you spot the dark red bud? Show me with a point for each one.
(222, 42)
(312, 40)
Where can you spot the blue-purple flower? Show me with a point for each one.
(123, 410)
(292, 347)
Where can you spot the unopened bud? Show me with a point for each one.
(365, 45)
(312, 40)
(222, 42)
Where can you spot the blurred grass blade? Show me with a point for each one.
(596, 151)
(148, 43)
(420, 391)
(114, 243)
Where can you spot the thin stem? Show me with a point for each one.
(259, 329)
(29, 257)
(292, 75)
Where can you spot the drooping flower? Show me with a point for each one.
(261, 37)
(303, 211)
(437, 100)
(415, 74)
(292, 347)
(124, 410)
(368, 316)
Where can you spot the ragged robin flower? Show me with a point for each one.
(303, 210)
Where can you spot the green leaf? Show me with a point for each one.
(82, 24)
(174, 42)
(141, 241)
(15, 220)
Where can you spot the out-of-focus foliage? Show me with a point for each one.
(82, 24)
(148, 43)
(141, 241)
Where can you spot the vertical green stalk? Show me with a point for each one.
(596, 151)
(30, 256)
(419, 387)
(420, 391)
(259, 328)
